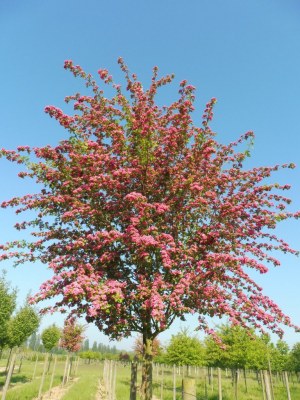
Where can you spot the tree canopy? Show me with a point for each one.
(72, 335)
(241, 348)
(23, 324)
(144, 217)
(295, 357)
(184, 350)
(50, 337)
(7, 307)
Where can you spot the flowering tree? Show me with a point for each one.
(72, 335)
(144, 217)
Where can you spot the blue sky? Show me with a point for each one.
(244, 53)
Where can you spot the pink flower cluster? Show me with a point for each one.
(143, 216)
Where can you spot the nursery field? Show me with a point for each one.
(34, 378)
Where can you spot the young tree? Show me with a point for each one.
(258, 353)
(50, 337)
(90, 355)
(279, 356)
(294, 362)
(184, 350)
(7, 306)
(22, 325)
(144, 217)
(72, 335)
(239, 348)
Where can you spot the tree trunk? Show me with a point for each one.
(133, 381)
(235, 381)
(8, 360)
(146, 388)
(245, 380)
(20, 365)
(49, 363)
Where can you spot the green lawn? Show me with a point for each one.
(84, 385)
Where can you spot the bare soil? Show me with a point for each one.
(57, 392)
(101, 392)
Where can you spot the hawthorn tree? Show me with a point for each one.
(71, 339)
(144, 217)
(72, 335)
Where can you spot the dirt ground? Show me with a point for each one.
(56, 393)
(101, 392)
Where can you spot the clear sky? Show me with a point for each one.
(244, 53)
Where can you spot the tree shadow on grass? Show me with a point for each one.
(19, 379)
(15, 379)
(216, 397)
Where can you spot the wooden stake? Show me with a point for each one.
(8, 377)
(162, 384)
(267, 385)
(188, 389)
(114, 379)
(286, 380)
(53, 372)
(43, 376)
(271, 378)
(174, 382)
(220, 383)
(263, 385)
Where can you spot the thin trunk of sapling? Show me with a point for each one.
(8, 360)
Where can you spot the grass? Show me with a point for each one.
(85, 387)
(23, 387)
(205, 390)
